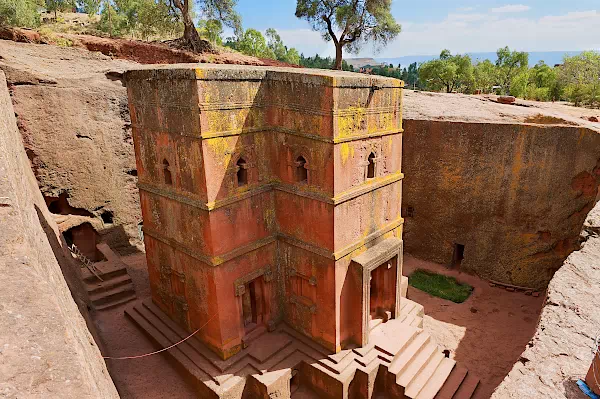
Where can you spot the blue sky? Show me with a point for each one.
(461, 26)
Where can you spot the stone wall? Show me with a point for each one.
(73, 116)
(46, 350)
(514, 194)
(560, 352)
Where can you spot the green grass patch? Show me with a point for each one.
(439, 285)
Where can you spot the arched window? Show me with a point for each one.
(167, 172)
(371, 166)
(242, 172)
(301, 171)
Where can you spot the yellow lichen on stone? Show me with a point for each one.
(222, 147)
(346, 151)
(349, 125)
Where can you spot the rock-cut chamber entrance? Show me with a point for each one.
(382, 293)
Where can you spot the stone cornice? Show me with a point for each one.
(280, 186)
(217, 260)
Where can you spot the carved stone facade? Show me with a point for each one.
(258, 189)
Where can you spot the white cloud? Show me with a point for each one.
(511, 8)
(462, 33)
(472, 32)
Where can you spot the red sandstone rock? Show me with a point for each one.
(20, 35)
(506, 99)
(593, 376)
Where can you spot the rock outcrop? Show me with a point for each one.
(560, 353)
(46, 349)
(502, 190)
(72, 112)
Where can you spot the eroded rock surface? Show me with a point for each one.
(72, 113)
(46, 350)
(497, 190)
(560, 352)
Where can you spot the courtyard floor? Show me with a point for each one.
(487, 333)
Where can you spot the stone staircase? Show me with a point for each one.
(400, 361)
(109, 285)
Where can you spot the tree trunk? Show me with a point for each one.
(338, 57)
(190, 34)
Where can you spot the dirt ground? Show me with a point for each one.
(152, 377)
(487, 333)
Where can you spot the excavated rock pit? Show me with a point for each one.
(511, 183)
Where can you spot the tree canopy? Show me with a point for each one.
(449, 72)
(20, 12)
(581, 77)
(510, 64)
(350, 23)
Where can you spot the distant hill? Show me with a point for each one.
(549, 57)
(361, 62)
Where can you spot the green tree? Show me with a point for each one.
(90, 7)
(113, 19)
(509, 65)
(60, 5)
(544, 84)
(280, 51)
(581, 77)
(322, 63)
(138, 18)
(292, 56)
(410, 75)
(276, 45)
(223, 10)
(357, 21)
(485, 76)
(20, 13)
(153, 18)
(212, 30)
(449, 72)
(253, 43)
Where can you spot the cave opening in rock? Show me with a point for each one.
(85, 238)
(458, 255)
(107, 217)
(60, 206)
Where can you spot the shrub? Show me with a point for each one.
(21, 13)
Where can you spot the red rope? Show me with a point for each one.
(163, 349)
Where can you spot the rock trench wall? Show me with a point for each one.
(47, 350)
(72, 114)
(560, 352)
(515, 195)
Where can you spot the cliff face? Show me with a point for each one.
(72, 113)
(47, 351)
(560, 352)
(514, 195)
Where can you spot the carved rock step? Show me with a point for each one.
(457, 385)
(106, 270)
(118, 302)
(112, 295)
(106, 285)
